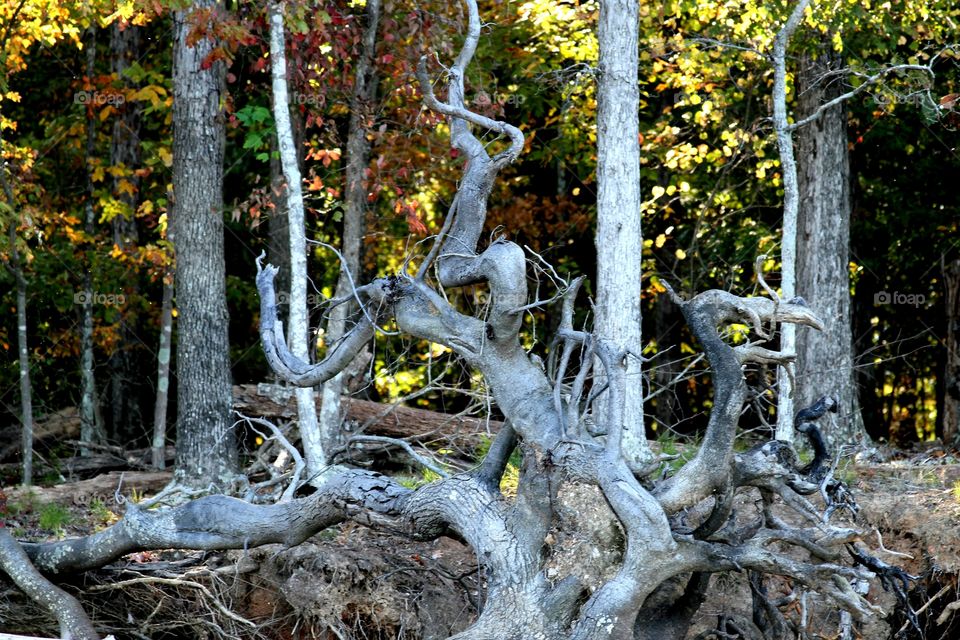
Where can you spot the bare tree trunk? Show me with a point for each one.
(159, 441)
(206, 447)
(788, 249)
(358, 156)
(126, 415)
(298, 320)
(619, 238)
(26, 393)
(951, 373)
(825, 359)
(91, 430)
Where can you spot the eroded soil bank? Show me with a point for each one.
(350, 583)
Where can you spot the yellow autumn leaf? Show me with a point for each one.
(658, 191)
(681, 254)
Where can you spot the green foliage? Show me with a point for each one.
(259, 129)
(100, 513)
(54, 517)
(26, 504)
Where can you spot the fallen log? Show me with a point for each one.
(456, 431)
(276, 403)
(101, 487)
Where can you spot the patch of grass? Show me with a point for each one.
(956, 490)
(846, 473)
(100, 513)
(670, 446)
(54, 517)
(27, 503)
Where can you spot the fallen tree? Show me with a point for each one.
(587, 549)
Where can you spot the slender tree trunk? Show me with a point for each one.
(206, 447)
(26, 393)
(159, 441)
(126, 416)
(951, 373)
(825, 358)
(788, 248)
(358, 156)
(299, 329)
(619, 238)
(91, 430)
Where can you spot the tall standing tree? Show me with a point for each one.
(299, 324)
(126, 413)
(823, 243)
(15, 265)
(791, 198)
(619, 238)
(91, 428)
(355, 210)
(206, 447)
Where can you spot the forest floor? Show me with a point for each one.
(348, 582)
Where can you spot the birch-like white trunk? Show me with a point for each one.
(788, 250)
(619, 237)
(158, 444)
(299, 329)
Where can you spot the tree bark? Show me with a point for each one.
(355, 210)
(159, 440)
(315, 452)
(951, 374)
(788, 245)
(26, 393)
(619, 239)
(825, 359)
(126, 415)
(91, 429)
(206, 448)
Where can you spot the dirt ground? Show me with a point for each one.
(348, 582)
